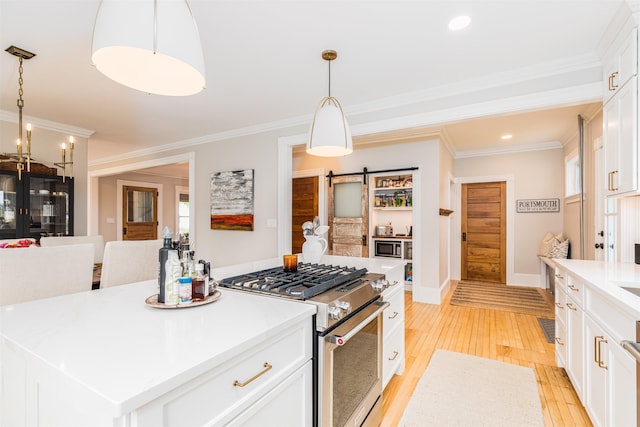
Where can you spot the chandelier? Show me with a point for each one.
(22, 157)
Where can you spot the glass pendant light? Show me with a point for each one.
(149, 45)
(329, 135)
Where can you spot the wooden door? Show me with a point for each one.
(304, 207)
(484, 232)
(348, 216)
(139, 213)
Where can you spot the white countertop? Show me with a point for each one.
(109, 341)
(608, 278)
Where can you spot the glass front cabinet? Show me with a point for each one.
(36, 205)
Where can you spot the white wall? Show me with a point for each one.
(430, 242)
(537, 175)
(108, 201)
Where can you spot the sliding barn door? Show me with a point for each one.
(348, 216)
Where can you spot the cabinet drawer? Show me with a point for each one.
(561, 307)
(394, 314)
(561, 344)
(214, 399)
(575, 292)
(392, 354)
(560, 279)
(611, 317)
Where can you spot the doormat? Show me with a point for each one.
(501, 297)
(548, 327)
(463, 390)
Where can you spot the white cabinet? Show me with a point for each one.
(393, 354)
(601, 371)
(621, 64)
(621, 140)
(575, 333)
(276, 369)
(620, 119)
(280, 405)
(610, 379)
(561, 320)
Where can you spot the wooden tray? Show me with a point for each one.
(152, 301)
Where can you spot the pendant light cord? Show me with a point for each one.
(329, 78)
(155, 26)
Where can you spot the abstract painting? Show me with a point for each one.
(232, 200)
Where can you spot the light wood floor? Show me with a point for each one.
(500, 335)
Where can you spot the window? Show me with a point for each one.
(182, 200)
(572, 175)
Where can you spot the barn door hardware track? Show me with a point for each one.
(366, 172)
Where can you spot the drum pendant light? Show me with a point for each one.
(149, 45)
(329, 135)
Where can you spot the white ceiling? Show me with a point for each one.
(264, 67)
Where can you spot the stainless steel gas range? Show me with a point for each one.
(348, 335)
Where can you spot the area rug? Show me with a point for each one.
(501, 297)
(548, 327)
(463, 390)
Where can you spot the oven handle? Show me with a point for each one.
(633, 348)
(344, 332)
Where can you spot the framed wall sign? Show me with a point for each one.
(538, 205)
(232, 200)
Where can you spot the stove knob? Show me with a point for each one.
(377, 285)
(344, 306)
(334, 313)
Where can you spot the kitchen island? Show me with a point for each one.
(104, 357)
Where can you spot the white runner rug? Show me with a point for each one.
(463, 390)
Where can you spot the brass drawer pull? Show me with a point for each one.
(559, 306)
(573, 288)
(395, 314)
(267, 367)
(559, 341)
(611, 85)
(571, 307)
(600, 362)
(395, 354)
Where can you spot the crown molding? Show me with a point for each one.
(553, 145)
(11, 117)
(591, 92)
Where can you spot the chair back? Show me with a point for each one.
(35, 272)
(96, 241)
(129, 261)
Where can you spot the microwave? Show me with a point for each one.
(388, 248)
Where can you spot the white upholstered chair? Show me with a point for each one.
(128, 261)
(96, 241)
(33, 273)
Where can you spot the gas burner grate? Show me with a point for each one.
(310, 280)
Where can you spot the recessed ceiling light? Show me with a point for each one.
(506, 136)
(459, 22)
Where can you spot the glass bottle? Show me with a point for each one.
(200, 290)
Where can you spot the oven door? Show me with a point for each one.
(350, 370)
